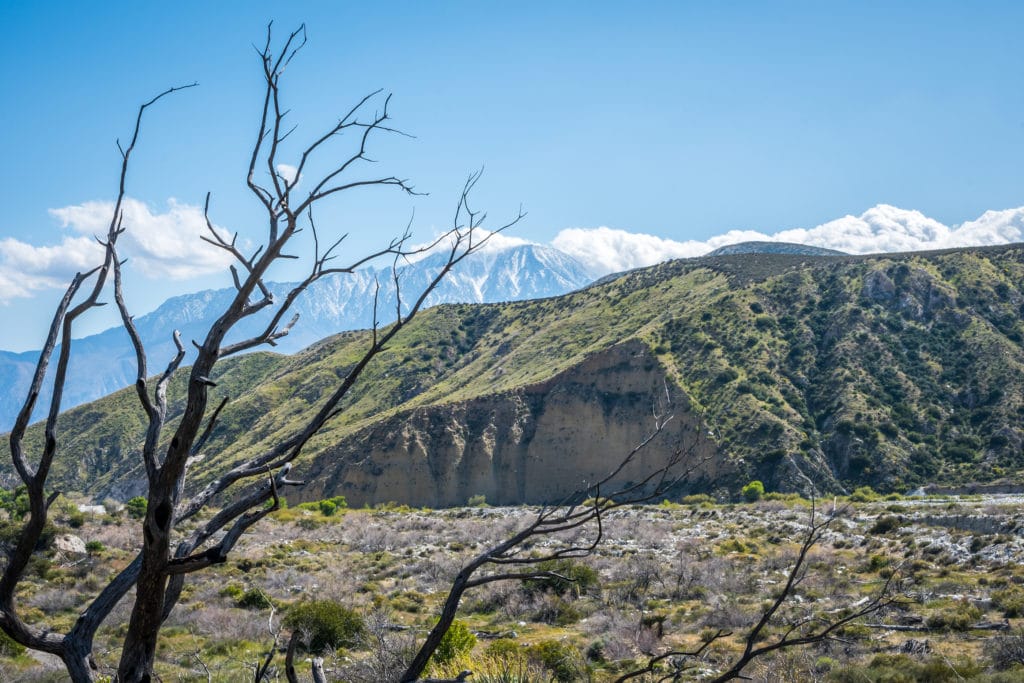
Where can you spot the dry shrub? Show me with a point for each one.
(222, 623)
(390, 651)
(55, 600)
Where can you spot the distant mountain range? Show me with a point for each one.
(809, 373)
(507, 271)
(104, 362)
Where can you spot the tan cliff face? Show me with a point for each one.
(536, 444)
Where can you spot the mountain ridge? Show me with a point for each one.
(761, 247)
(823, 372)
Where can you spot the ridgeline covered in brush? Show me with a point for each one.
(892, 371)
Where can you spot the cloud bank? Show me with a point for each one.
(883, 228)
(167, 246)
(158, 245)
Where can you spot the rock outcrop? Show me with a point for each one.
(536, 444)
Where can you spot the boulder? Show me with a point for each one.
(69, 544)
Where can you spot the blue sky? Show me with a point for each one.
(680, 120)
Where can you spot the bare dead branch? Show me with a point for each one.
(262, 669)
(160, 393)
(217, 240)
(210, 424)
(156, 574)
(25, 471)
(240, 515)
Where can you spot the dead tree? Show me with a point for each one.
(157, 574)
(760, 640)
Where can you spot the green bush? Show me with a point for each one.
(885, 524)
(458, 640)
(863, 494)
(15, 502)
(66, 513)
(10, 647)
(340, 502)
(698, 499)
(595, 651)
(557, 611)
(504, 647)
(959, 617)
(726, 376)
(786, 497)
(1010, 600)
(477, 501)
(753, 491)
(738, 545)
(254, 598)
(233, 591)
(136, 507)
(899, 668)
(325, 625)
(10, 531)
(708, 633)
(408, 601)
(94, 547)
(561, 659)
(326, 507)
(876, 562)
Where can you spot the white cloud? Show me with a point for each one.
(883, 228)
(27, 268)
(288, 172)
(499, 241)
(157, 245)
(993, 227)
(606, 250)
(72, 255)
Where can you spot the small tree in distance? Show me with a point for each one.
(136, 507)
(753, 491)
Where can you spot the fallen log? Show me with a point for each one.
(980, 626)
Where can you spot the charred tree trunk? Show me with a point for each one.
(289, 659)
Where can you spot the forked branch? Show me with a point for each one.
(157, 573)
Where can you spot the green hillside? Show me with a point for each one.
(892, 370)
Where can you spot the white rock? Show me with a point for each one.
(70, 544)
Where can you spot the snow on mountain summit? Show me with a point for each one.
(507, 269)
